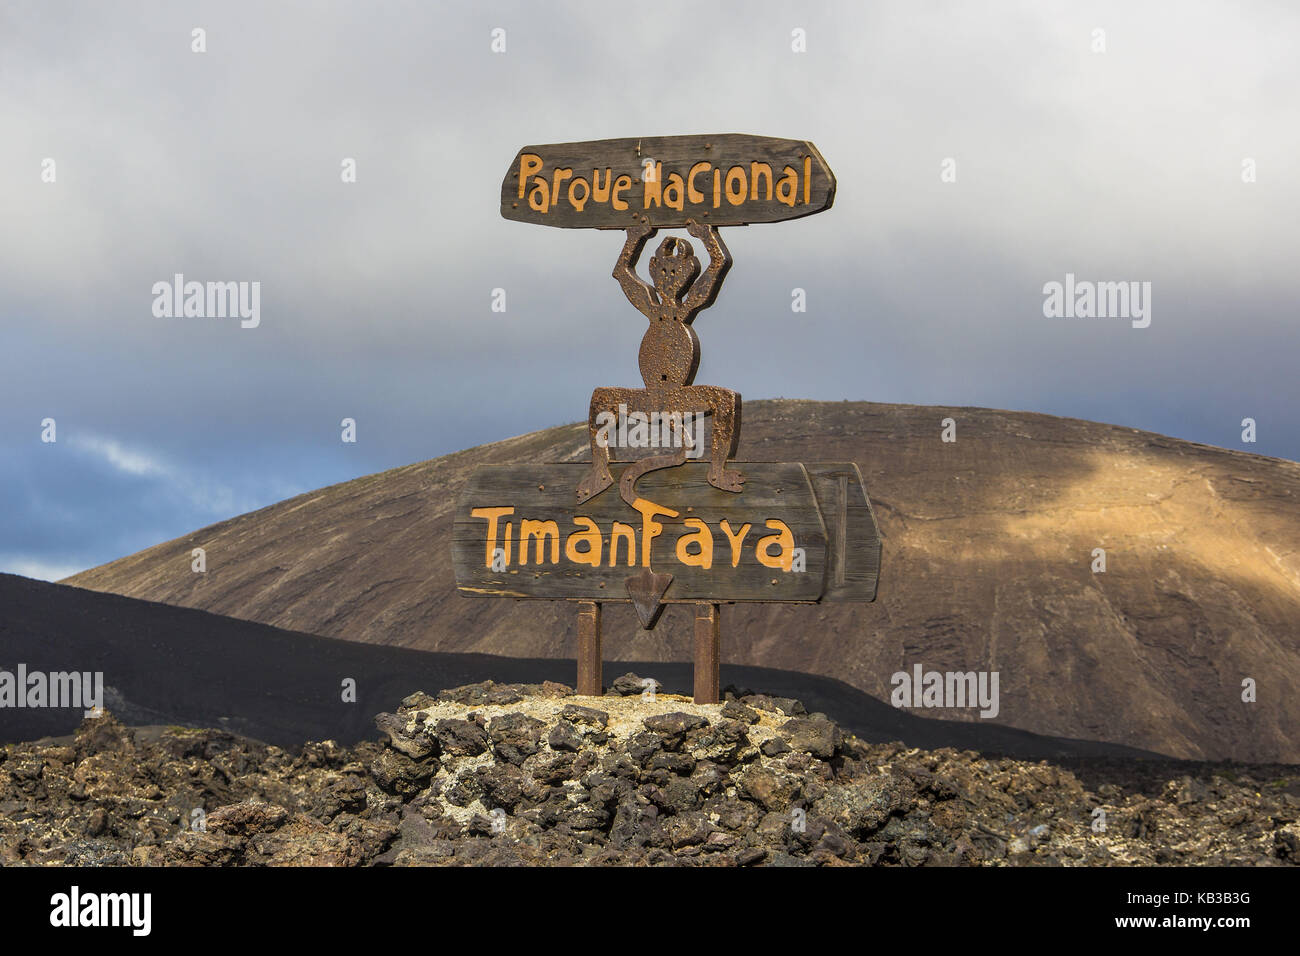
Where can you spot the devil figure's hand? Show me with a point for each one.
(640, 229)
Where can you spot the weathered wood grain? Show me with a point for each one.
(853, 545)
(551, 197)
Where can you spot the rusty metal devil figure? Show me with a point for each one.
(668, 359)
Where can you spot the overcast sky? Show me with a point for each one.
(1122, 165)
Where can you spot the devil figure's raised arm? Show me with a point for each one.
(639, 292)
(705, 289)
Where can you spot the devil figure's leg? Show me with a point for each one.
(724, 405)
(603, 400)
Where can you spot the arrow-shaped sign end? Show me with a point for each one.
(647, 591)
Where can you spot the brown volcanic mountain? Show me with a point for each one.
(987, 561)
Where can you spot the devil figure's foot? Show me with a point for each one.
(596, 481)
(726, 479)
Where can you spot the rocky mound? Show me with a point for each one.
(988, 565)
(531, 774)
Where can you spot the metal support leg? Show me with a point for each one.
(708, 653)
(590, 673)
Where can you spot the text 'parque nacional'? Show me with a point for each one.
(728, 179)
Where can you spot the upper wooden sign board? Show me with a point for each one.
(731, 179)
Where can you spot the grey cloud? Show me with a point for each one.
(225, 165)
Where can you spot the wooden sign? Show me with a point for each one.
(853, 537)
(729, 179)
(677, 531)
(798, 534)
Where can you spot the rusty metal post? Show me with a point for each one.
(590, 671)
(708, 653)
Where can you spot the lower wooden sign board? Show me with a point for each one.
(796, 534)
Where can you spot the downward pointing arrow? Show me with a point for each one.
(647, 592)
